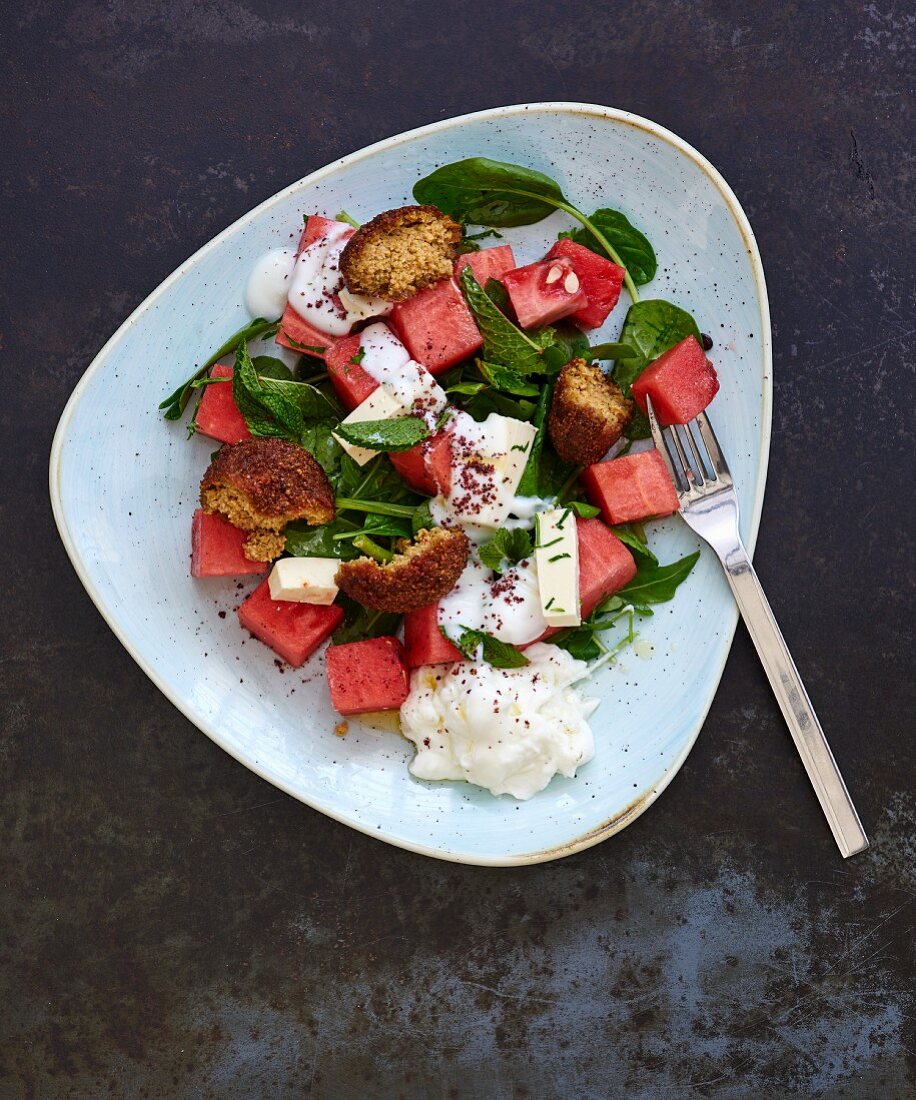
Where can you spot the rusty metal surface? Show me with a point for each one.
(172, 926)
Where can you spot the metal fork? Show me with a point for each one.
(709, 506)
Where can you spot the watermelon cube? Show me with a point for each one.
(437, 326)
(601, 281)
(367, 676)
(488, 263)
(217, 548)
(424, 642)
(351, 383)
(544, 291)
(217, 414)
(413, 468)
(605, 564)
(292, 630)
(631, 488)
(681, 383)
(317, 227)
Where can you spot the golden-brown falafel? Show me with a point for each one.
(260, 485)
(399, 252)
(421, 573)
(587, 413)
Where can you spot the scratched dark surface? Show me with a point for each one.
(170, 925)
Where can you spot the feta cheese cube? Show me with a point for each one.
(556, 555)
(304, 580)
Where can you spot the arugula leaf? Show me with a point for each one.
(651, 327)
(503, 342)
(176, 403)
(496, 193)
(656, 583)
(507, 546)
(630, 245)
(385, 435)
(496, 653)
(507, 379)
(639, 547)
(361, 623)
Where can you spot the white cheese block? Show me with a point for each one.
(556, 555)
(304, 580)
(379, 405)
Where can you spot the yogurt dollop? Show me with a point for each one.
(508, 730)
(269, 282)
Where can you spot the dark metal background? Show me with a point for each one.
(170, 924)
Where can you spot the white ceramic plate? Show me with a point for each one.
(124, 485)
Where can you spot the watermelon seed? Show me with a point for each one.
(571, 283)
(553, 274)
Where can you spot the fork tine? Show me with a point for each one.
(679, 477)
(703, 468)
(719, 465)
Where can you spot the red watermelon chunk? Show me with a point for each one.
(351, 383)
(217, 548)
(544, 291)
(424, 642)
(631, 488)
(292, 630)
(218, 415)
(681, 383)
(488, 263)
(298, 335)
(601, 281)
(367, 676)
(437, 326)
(317, 227)
(605, 564)
(413, 468)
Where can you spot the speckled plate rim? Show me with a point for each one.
(645, 799)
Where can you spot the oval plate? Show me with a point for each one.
(124, 485)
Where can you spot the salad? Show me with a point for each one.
(430, 465)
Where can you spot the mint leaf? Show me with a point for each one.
(503, 342)
(507, 379)
(385, 435)
(506, 546)
(496, 653)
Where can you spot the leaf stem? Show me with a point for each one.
(569, 483)
(374, 507)
(372, 549)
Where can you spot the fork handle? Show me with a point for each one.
(795, 705)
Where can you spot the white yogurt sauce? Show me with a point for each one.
(387, 360)
(509, 730)
(269, 282)
(508, 607)
(317, 283)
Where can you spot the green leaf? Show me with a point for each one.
(358, 357)
(507, 379)
(631, 246)
(489, 401)
(496, 653)
(651, 327)
(583, 510)
(579, 643)
(612, 351)
(311, 402)
(656, 583)
(318, 439)
(496, 291)
(361, 623)
(639, 547)
(490, 192)
(266, 413)
(561, 342)
(506, 548)
(176, 403)
(303, 541)
(467, 389)
(269, 366)
(422, 518)
(385, 435)
(343, 216)
(503, 342)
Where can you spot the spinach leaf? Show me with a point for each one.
(467, 389)
(176, 403)
(489, 401)
(385, 435)
(639, 547)
(303, 541)
(360, 623)
(507, 379)
(583, 510)
(612, 351)
(318, 439)
(630, 245)
(651, 327)
(561, 342)
(530, 483)
(422, 518)
(496, 653)
(503, 342)
(496, 193)
(269, 366)
(656, 583)
(490, 192)
(506, 546)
